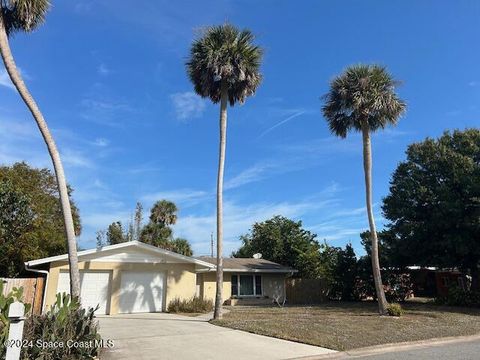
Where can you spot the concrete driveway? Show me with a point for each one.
(166, 336)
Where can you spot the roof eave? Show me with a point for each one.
(269, 271)
(64, 257)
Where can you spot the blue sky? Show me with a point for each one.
(110, 79)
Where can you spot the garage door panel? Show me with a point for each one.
(141, 292)
(94, 288)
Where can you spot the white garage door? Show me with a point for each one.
(141, 292)
(94, 288)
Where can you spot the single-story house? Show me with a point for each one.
(135, 277)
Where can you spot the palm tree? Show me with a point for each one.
(164, 212)
(26, 16)
(181, 246)
(224, 65)
(363, 99)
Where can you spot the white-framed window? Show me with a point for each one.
(246, 285)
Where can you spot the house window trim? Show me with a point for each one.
(254, 275)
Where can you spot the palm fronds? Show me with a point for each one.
(225, 54)
(362, 94)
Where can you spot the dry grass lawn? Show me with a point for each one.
(344, 326)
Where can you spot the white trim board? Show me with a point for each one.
(90, 255)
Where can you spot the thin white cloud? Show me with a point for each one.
(75, 158)
(104, 112)
(100, 220)
(187, 105)
(103, 69)
(83, 7)
(237, 220)
(186, 197)
(5, 80)
(249, 175)
(101, 142)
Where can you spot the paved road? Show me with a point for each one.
(460, 351)
(164, 336)
(450, 350)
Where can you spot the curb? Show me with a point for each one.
(393, 347)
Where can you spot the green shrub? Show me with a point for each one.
(66, 323)
(192, 305)
(5, 300)
(394, 309)
(398, 287)
(456, 296)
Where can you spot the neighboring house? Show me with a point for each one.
(135, 277)
(434, 282)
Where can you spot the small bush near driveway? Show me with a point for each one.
(193, 305)
(394, 309)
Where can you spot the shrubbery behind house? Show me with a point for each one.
(458, 297)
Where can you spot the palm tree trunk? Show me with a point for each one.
(12, 71)
(221, 166)
(367, 166)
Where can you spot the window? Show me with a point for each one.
(234, 285)
(246, 285)
(258, 285)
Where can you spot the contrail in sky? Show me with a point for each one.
(291, 117)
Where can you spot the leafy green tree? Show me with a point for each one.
(181, 246)
(340, 270)
(156, 234)
(115, 234)
(46, 237)
(284, 241)
(26, 16)
(363, 99)
(345, 274)
(434, 203)
(158, 231)
(224, 66)
(16, 222)
(138, 218)
(100, 237)
(388, 253)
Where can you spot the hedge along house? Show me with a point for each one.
(134, 277)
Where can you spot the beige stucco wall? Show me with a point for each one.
(273, 285)
(180, 279)
(209, 285)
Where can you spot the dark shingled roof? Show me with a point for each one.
(246, 264)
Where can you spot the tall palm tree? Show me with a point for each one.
(164, 212)
(363, 99)
(26, 16)
(224, 65)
